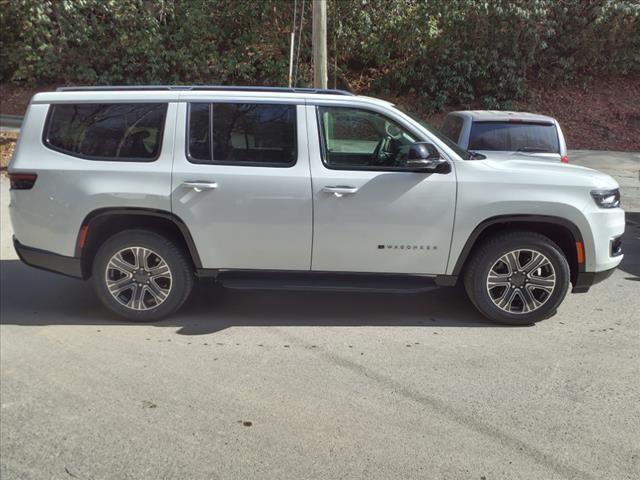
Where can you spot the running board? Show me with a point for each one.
(389, 283)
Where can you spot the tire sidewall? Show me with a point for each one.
(493, 251)
(181, 277)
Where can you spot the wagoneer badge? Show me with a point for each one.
(407, 247)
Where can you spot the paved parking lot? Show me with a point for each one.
(275, 385)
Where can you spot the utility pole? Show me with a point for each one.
(293, 40)
(319, 40)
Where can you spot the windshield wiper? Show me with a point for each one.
(533, 150)
(475, 155)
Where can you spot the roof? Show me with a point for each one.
(502, 116)
(168, 93)
(224, 88)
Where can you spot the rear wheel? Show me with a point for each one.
(142, 275)
(518, 278)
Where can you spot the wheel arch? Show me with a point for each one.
(560, 230)
(102, 223)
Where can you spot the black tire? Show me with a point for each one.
(178, 282)
(486, 257)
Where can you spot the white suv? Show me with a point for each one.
(505, 135)
(143, 189)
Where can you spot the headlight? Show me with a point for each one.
(606, 198)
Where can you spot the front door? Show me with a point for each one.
(241, 184)
(370, 214)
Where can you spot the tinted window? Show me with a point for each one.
(199, 131)
(451, 127)
(243, 133)
(355, 138)
(107, 131)
(505, 136)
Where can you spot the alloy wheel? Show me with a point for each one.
(521, 281)
(138, 278)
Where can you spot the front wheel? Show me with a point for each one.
(517, 278)
(142, 275)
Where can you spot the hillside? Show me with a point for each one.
(602, 115)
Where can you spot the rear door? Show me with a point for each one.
(241, 182)
(370, 213)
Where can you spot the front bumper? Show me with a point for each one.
(585, 280)
(49, 261)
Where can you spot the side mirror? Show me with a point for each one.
(424, 157)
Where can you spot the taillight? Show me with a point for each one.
(22, 181)
(564, 159)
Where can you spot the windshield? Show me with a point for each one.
(437, 133)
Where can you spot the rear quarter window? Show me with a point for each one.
(114, 131)
(452, 126)
(511, 137)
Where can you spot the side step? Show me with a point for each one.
(361, 282)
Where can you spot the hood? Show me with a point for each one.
(553, 173)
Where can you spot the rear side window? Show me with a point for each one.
(242, 134)
(114, 131)
(510, 136)
(451, 127)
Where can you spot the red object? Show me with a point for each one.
(580, 252)
(82, 236)
(22, 181)
(564, 159)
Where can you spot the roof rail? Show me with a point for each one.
(224, 88)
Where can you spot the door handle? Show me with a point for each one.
(199, 186)
(340, 190)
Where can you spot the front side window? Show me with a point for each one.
(242, 134)
(362, 139)
(117, 131)
(512, 137)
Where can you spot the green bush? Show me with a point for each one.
(450, 52)
(458, 51)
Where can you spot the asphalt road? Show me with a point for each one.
(284, 385)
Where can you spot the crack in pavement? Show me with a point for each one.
(451, 413)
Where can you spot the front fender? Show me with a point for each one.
(469, 225)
